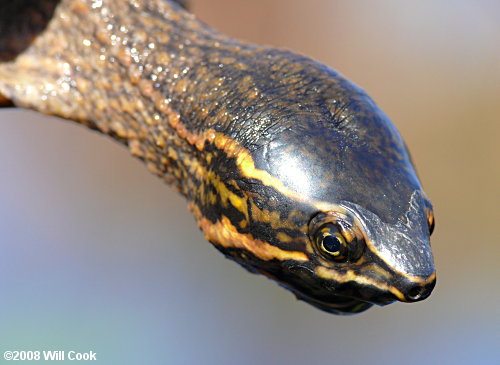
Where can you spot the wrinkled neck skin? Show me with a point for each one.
(259, 141)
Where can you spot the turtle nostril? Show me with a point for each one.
(415, 293)
(418, 292)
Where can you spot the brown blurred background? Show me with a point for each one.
(97, 254)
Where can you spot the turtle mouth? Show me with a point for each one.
(336, 304)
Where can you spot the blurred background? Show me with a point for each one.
(97, 254)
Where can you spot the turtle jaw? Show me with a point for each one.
(336, 304)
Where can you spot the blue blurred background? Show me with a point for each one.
(97, 254)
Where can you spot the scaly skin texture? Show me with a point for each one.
(266, 145)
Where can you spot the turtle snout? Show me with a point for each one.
(414, 292)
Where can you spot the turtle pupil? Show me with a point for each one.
(331, 243)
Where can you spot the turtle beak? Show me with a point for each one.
(415, 289)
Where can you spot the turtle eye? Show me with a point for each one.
(335, 238)
(331, 243)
